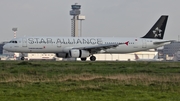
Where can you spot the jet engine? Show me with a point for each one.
(76, 53)
(62, 55)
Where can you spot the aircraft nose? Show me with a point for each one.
(5, 47)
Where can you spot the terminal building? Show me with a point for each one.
(170, 52)
(1, 48)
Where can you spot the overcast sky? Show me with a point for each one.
(112, 18)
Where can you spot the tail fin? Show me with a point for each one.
(157, 31)
(136, 57)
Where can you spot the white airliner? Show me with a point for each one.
(83, 47)
(153, 59)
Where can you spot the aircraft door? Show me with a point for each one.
(144, 44)
(24, 42)
(136, 43)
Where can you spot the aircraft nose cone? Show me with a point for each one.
(5, 47)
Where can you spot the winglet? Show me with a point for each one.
(127, 43)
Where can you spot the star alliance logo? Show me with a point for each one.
(157, 32)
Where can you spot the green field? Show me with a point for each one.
(89, 81)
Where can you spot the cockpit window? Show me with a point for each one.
(13, 42)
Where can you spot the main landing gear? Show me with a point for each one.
(22, 58)
(92, 58)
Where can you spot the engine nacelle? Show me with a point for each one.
(62, 55)
(76, 53)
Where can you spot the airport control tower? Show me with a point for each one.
(75, 12)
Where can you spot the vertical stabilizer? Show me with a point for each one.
(136, 57)
(157, 31)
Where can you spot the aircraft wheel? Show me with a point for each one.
(93, 58)
(22, 58)
(83, 59)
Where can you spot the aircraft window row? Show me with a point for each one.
(131, 42)
(117, 43)
(54, 42)
(113, 42)
(13, 42)
(44, 42)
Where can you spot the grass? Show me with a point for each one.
(89, 81)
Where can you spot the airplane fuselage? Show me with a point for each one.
(64, 44)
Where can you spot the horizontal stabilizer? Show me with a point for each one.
(161, 42)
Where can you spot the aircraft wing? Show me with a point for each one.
(161, 42)
(97, 48)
